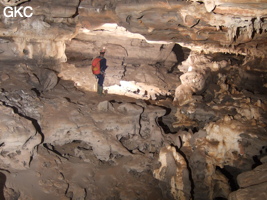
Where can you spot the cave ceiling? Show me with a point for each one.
(183, 114)
(231, 26)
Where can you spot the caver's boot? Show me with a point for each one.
(99, 90)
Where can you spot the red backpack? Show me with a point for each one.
(96, 65)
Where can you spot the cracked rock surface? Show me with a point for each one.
(78, 144)
(184, 111)
(71, 143)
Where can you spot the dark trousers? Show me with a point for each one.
(100, 78)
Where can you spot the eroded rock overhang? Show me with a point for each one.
(225, 26)
(209, 26)
(237, 27)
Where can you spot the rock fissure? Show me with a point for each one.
(189, 170)
(184, 111)
(52, 149)
(231, 177)
(77, 10)
(33, 121)
(140, 120)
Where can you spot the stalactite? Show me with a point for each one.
(250, 30)
(258, 24)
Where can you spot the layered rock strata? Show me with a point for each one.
(220, 130)
(69, 143)
(252, 183)
(227, 126)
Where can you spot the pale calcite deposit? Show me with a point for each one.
(196, 71)
(59, 140)
(224, 137)
(173, 170)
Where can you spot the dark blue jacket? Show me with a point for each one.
(103, 64)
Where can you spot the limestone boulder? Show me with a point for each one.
(196, 76)
(255, 177)
(252, 184)
(19, 139)
(111, 129)
(26, 103)
(227, 142)
(174, 172)
(73, 127)
(257, 192)
(196, 81)
(183, 95)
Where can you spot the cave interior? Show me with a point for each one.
(183, 114)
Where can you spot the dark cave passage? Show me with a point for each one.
(231, 174)
(2, 185)
(181, 54)
(165, 122)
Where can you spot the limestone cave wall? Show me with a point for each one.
(184, 111)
